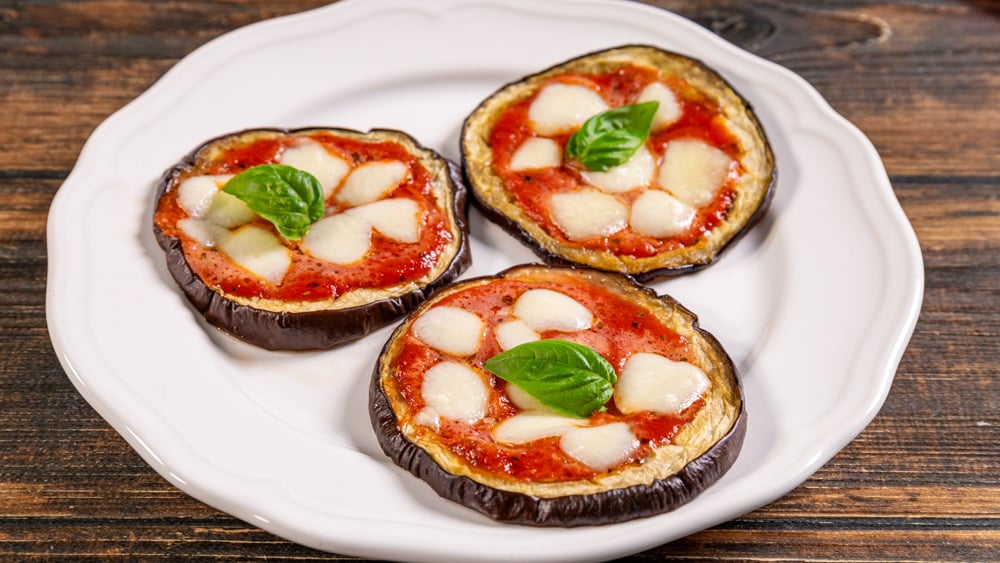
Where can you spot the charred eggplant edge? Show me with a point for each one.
(553, 252)
(309, 330)
(615, 505)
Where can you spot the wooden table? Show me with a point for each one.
(920, 78)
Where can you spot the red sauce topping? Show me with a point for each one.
(387, 263)
(620, 329)
(532, 189)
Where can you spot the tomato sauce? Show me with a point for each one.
(620, 329)
(387, 262)
(532, 189)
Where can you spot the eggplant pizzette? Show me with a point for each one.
(305, 239)
(632, 159)
(554, 396)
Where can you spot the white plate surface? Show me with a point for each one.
(815, 305)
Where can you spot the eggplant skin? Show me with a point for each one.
(755, 189)
(329, 327)
(628, 494)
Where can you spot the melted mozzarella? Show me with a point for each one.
(670, 109)
(527, 427)
(636, 172)
(455, 391)
(600, 447)
(313, 158)
(341, 238)
(259, 252)
(229, 211)
(450, 329)
(513, 333)
(428, 417)
(650, 382)
(524, 400)
(545, 309)
(693, 171)
(396, 218)
(204, 232)
(536, 152)
(588, 213)
(658, 214)
(371, 181)
(560, 108)
(202, 197)
(195, 194)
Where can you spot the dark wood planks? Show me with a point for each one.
(919, 484)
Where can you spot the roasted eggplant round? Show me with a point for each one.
(473, 395)
(570, 162)
(390, 228)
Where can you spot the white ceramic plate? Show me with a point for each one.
(816, 305)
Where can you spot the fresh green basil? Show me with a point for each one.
(290, 198)
(570, 378)
(611, 138)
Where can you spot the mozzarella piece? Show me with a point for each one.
(650, 382)
(560, 108)
(670, 109)
(258, 251)
(195, 193)
(229, 211)
(202, 197)
(455, 391)
(588, 213)
(313, 158)
(536, 152)
(451, 330)
(545, 309)
(693, 171)
(341, 238)
(204, 232)
(524, 400)
(656, 213)
(371, 181)
(428, 417)
(600, 447)
(527, 427)
(513, 333)
(397, 218)
(636, 172)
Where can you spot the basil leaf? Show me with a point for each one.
(290, 198)
(570, 378)
(610, 138)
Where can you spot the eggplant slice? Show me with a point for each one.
(697, 89)
(294, 318)
(454, 458)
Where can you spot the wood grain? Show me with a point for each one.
(919, 78)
